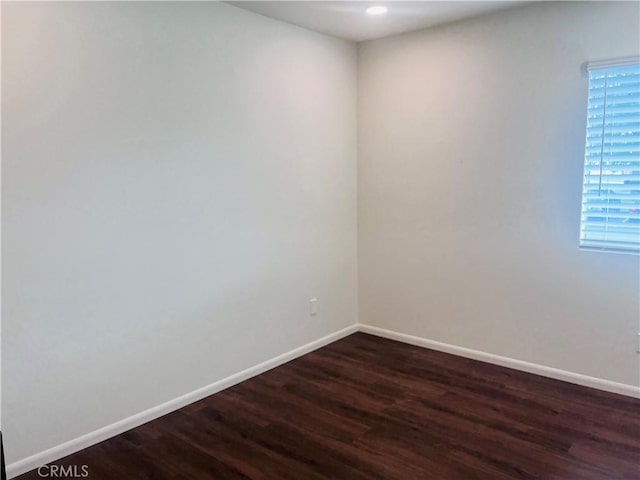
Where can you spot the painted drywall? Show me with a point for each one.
(178, 180)
(471, 142)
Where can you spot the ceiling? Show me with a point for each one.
(348, 19)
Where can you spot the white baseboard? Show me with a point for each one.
(571, 377)
(22, 466)
(27, 464)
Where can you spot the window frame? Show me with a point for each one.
(633, 249)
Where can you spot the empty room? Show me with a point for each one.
(320, 240)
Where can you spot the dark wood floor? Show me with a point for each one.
(367, 408)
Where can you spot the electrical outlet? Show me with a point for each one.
(313, 306)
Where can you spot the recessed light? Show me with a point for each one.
(377, 10)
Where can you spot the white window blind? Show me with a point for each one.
(611, 186)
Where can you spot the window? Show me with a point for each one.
(611, 185)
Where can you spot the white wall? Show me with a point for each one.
(179, 179)
(471, 142)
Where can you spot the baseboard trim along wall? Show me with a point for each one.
(97, 436)
(104, 433)
(571, 377)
